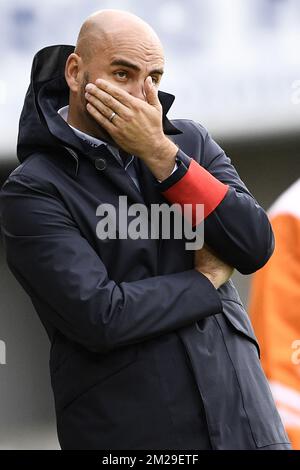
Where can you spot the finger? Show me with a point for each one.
(122, 96)
(107, 99)
(100, 119)
(151, 92)
(101, 107)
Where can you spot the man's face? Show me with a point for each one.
(122, 56)
(126, 63)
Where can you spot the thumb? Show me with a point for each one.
(151, 92)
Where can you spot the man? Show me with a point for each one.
(151, 347)
(275, 311)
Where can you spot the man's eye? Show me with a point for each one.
(155, 80)
(121, 74)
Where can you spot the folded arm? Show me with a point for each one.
(56, 265)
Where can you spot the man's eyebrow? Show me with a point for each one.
(130, 65)
(125, 63)
(157, 71)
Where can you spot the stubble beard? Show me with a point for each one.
(93, 128)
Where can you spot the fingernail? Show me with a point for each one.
(89, 87)
(87, 95)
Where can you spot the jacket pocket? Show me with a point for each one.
(74, 369)
(237, 316)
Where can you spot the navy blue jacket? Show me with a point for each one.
(145, 352)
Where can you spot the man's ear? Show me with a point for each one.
(73, 72)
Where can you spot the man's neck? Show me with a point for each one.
(86, 124)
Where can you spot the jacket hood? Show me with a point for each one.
(40, 125)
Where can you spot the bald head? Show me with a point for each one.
(106, 28)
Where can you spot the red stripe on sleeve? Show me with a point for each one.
(197, 186)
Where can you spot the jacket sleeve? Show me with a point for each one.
(235, 225)
(56, 265)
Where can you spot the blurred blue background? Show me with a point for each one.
(234, 66)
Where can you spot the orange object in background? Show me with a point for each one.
(275, 311)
